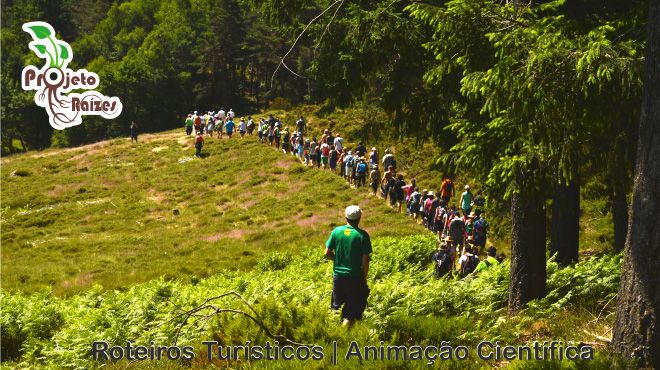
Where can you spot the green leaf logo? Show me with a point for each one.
(64, 53)
(40, 31)
(41, 48)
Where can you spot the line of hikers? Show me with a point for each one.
(220, 122)
(461, 230)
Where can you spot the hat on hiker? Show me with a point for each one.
(431, 194)
(467, 187)
(373, 149)
(353, 213)
(472, 215)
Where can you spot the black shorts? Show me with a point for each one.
(351, 292)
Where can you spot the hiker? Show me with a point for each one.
(469, 223)
(300, 125)
(210, 124)
(466, 200)
(262, 130)
(197, 122)
(271, 132)
(330, 140)
(286, 140)
(278, 136)
(374, 178)
(338, 142)
(408, 189)
(199, 143)
(312, 151)
(349, 161)
(399, 193)
(300, 146)
(242, 127)
(435, 204)
(447, 190)
(489, 261)
(219, 127)
(340, 162)
(134, 131)
(373, 158)
(221, 115)
(452, 248)
(443, 261)
(479, 232)
(468, 262)
(231, 114)
(414, 203)
(360, 150)
(440, 218)
(388, 159)
(306, 151)
(334, 157)
(325, 153)
(250, 126)
(479, 203)
(229, 126)
(324, 137)
(361, 172)
(189, 125)
(457, 230)
(384, 190)
(426, 209)
(349, 247)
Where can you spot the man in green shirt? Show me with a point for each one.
(189, 125)
(489, 261)
(349, 248)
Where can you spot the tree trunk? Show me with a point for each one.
(527, 250)
(635, 333)
(565, 225)
(619, 188)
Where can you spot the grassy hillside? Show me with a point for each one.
(105, 213)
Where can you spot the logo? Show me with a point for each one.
(54, 80)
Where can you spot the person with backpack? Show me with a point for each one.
(306, 151)
(334, 156)
(312, 151)
(439, 218)
(286, 140)
(271, 132)
(388, 159)
(330, 140)
(250, 126)
(442, 261)
(426, 209)
(197, 122)
(199, 143)
(414, 203)
(457, 230)
(338, 142)
(349, 247)
(479, 232)
(278, 136)
(468, 262)
(447, 190)
(399, 193)
(489, 261)
(229, 127)
(361, 173)
(242, 127)
(220, 127)
(210, 124)
(300, 125)
(373, 158)
(466, 200)
(221, 114)
(189, 125)
(360, 150)
(374, 178)
(325, 154)
(231, 114)
(349, 166)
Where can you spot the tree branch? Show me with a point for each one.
(272, 78)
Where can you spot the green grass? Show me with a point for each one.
(103, 213)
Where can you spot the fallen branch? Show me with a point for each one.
(199, 313)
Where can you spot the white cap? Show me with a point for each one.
(467, 187)
(353, 213)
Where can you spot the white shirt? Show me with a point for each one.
(242, 126)
(339, 143)
(221, 114)
(231, 113)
